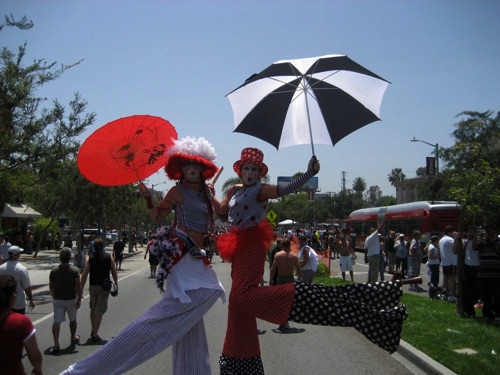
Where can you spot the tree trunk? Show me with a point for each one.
(39, 244)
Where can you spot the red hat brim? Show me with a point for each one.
(173, 168)
(262, 167)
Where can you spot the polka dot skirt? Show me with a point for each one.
(373, 309)
(240, 366)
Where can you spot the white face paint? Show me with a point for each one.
(192, 172)
(249, 174)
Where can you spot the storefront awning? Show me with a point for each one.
(20, 211)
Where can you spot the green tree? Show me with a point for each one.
(373, 194)
(36, 135)
(473, 167)
(359, 186)
(396, 176)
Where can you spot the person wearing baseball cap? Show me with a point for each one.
(4, 248)
(20, 273)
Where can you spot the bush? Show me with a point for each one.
(322, 271)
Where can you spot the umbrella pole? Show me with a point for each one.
(135, 171)
(309, 123)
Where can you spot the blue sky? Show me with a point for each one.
(178, 60)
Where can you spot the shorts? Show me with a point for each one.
(118, 257)
(345, 263)
(449, 270)
(153, 260)
(98, 299)
(63, 306)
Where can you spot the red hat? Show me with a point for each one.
(197, 150)
(254, 156)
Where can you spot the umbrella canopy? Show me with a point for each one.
(313, 100)
(126, 150)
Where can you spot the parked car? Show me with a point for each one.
(87, 232)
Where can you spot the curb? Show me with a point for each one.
(420, 360)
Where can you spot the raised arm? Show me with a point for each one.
(160, 212)
(273, 191)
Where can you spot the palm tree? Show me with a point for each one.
(359, 186)
(396, 176)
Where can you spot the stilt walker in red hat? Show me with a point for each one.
(363, 306)
(191, 288)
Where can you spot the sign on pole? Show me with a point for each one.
(310, 195)
(430, 166)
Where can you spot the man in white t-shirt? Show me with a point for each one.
(448, 259)
(308, 260)
(20, 273)
(372, 253)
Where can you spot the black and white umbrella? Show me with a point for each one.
(313, 100)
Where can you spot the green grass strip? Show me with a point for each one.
(434, 328)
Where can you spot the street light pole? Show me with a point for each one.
(436, 147)
(153, 185)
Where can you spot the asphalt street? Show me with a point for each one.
(318, 350)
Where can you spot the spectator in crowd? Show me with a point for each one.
(308, 260)
(118, 248)
(448, 259)
(272, 254)
(470, 286)
(390, 251)
(20, 273)
(133, 241)
(17, 333)
(347, 256)
(66, 290)
(284, 265)
(487, 244)
(382, 259)
(4, 248)
(401, 255)
(114, 236)
(415, 255)
(58, 241)
(98, 266)
(67, 240)
(153, 259)
(433, 261)
(372, 253)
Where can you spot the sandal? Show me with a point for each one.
(55, 350)
(96, 338)
(76, 340)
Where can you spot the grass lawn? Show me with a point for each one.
(434, 328)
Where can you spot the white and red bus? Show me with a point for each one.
(427, 217)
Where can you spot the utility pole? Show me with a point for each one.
(342, 180)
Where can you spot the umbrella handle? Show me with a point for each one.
(217, 175)
(135, 171)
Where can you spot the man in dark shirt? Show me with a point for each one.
(118, 248)
(486, 243)
(98, 266)
(65, 288)
(389, 243)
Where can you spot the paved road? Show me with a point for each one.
(318, 350)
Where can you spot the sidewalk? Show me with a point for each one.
(413, 359)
